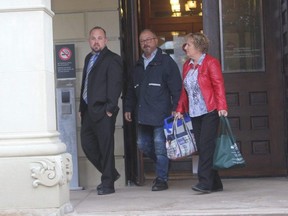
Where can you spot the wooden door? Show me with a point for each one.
(252, 66)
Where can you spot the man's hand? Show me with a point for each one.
(127, 116)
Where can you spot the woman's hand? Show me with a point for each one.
(222, 113)
(178, 115)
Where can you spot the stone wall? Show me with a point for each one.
(71, 24)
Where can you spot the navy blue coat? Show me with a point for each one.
(153, 93)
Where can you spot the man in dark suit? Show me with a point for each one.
(100, 91)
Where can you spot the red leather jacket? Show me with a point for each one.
(211, 84)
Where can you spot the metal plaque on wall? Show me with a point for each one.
(65, 61)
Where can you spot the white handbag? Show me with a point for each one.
(180, 141)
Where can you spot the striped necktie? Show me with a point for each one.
(89, 67)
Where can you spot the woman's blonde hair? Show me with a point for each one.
(199, 40)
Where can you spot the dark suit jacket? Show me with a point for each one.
(104, 85)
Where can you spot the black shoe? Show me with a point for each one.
(201, 189)
(105, 191)
(115, 179)
(159, 185)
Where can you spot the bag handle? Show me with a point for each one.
(226, 126)
(175, 126)
(169, 119)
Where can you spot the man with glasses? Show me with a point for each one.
(153, 93)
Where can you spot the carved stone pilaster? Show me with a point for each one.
(50, 172)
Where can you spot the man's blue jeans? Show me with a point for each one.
(151, 141)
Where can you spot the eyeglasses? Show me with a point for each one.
(148, 40)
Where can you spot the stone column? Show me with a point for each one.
(35, 169)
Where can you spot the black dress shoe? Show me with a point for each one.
(159, 185)
(105, 191)
(115, 179)
(201, 189)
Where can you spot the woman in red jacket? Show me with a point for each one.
(203, 97)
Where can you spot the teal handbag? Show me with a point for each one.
(227, 154)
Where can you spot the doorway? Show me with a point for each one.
(253, 77)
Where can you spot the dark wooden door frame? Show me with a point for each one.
(211, 12)
(284, 11)
(130, 53)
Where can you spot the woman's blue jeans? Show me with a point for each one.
(151, 141)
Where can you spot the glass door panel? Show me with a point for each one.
(242, 47)
(172, 43)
